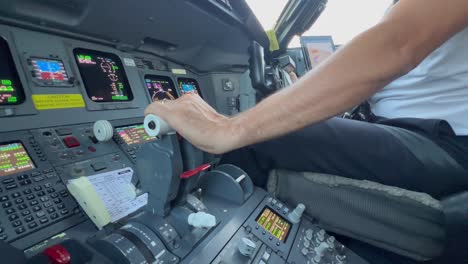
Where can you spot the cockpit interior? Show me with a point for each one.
(86, 178)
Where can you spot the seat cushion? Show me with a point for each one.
(401, 221)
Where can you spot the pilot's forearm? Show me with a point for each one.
(352, 75)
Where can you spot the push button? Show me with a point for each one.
(20, 230)
(98, 166)
(71, 142)
(63, 131)
(8, 181)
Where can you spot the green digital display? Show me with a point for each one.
(103, 76)
(14, 159)
(135, 134)
(11, 91)
(275, 224)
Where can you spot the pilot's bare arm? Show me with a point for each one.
(410, 32)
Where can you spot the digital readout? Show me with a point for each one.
(275, 224)
(14, 159)
(135, 134)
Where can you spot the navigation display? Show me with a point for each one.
(103, 76)
(274, 224)
(134, 134)
(317, 49)
(160, 88)
(187, 85)
(49, 70)
(11, 90)
(14, 159)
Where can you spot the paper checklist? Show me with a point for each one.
(107, 197)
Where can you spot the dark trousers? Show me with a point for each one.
(404, 153)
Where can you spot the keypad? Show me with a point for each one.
(30, 208)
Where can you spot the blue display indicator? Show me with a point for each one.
(49, 70)
(187, 88)
(49, 66)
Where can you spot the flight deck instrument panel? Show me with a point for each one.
(49, 72)
(160, 88)
(187, 85)
(14, 159)
(274, 224)
(134, 134)
(11, 89)
(103, 75)
(53, 145)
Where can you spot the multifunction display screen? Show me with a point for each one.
(11, 90)
(160, 88)
(134, 134)
(187, 85)
(14, 159)
(274, 224)
(49, 70)
(103, 76)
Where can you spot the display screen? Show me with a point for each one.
(103, 76)
(274, 224)
(317, 49)
(187, 85)
(134, 134)
(11, 90)
(49, 70)
(14, 159)
(160, 88)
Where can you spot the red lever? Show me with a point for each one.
(191, 173)
(58, 254)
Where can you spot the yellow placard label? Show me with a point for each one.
(274, 45)
(57, 101)
(179, 71)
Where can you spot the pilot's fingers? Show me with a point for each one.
(201, 105)
(158, 108)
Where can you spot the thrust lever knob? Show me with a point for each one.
(156, 126)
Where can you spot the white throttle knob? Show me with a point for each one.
(103, 130)
(296, 214)
(156, 126)
(246, 247)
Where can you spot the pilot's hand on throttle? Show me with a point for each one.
(197, 122)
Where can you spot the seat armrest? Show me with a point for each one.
(456, 225)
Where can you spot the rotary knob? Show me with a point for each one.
(340, 259)
(296, 214)
(331, 242)
(320, 236)
(309, 234)
(317, 259)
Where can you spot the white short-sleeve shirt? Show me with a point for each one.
(436, 89)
